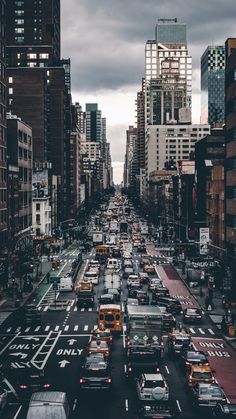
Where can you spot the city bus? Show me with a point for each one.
(110, 316)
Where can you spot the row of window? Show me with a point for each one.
(3, 154)
(24, 137)
(231, 192)
(3, 216)
(3, 195)
(25, 175)
(3, 174)
(25, 154)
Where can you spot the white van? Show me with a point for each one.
(65, 284)
(92, 275)
(113, 263)
(48, 405)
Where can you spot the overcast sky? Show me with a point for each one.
(105, 40)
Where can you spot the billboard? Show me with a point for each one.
(40, 183)
(204, 239)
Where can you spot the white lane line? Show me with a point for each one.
(167, 369)
(66, 328)
(18, 411)
(123, 336)
(126, 405)
(49, 289)
(76, 327)
(211, 331)
(201, 331)
(192, 330)
(125, 368)
(74, 405)
(178, 405)
(86, 328)
(47, 328)
(68, 308)
(57, 328)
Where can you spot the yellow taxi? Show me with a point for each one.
(84, 285)
(200, 374)
(149, 269)
(102, 333)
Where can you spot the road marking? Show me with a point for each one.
(45, 308)
(192, 330)
(86, 328)
(66, 328)
(126, 405)
(178, 405)
(76, 327)
(18, 329)
(57, 328)
(167, 369)
(9, 343)
(74, 405)
(47, 328)
(27, 329)
(68, 308)
(37, 328)
(201, 331)
(82, 309)
(125, 368)
(123, 336)
(18, 411)
(90, 309)
(75, 308)
(211, 331)
(49, 289)
(9, 329)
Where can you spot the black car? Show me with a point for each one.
(116, 253)
(192, 315)
(224, 411)
(85, 298)
(172, 305)
(141, 248)
(95, 374)
(153, 410)
(115, 292)
(169, 321)
(127, 272)
(207, 395)
(142, 358)
(30, 380)
(160, 292)
(107, 299)
(189, 358)
(142, 297)
(145, 260)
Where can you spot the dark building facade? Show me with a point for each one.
(230, 163)
(3, 144)
(33, 33)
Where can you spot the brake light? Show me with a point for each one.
(158, 370)
(108, 380)
(186, 315)
(187, 363)
(23, 386)
(129, 369)
(107, 353)
(82, 380)
(46, 385)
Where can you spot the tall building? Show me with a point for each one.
(168, 73)
(213, 85)
(33, 33)
(131, 163)
(93, 123)
(230, 163)
(3, 145)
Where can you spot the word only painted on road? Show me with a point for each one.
(183, 299)
(70, 351)
(24, 346)
(216, 345)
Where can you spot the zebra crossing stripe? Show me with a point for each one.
(76, 327)
(27, 329)
(45, 308)
(57, 328)
(37, 328)
(68, 308)
(86, 328)
(18, 329)
(90, 309)
(192, 330)
(75, 308)
(82, 309)
(66, 327)
(201, 331)
(211, 331)
(47, 328)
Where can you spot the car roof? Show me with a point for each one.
(201, 368)
(153, 377)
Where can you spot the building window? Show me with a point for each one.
(19, 30)
(10, 91)
(37, 218)
(31, 56)
(19, 21)
(19, 39)
(37, 207)
(10, 80)
(44, 56)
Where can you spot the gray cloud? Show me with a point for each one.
(105, 39)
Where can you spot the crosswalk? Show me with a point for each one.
(201, 331)
(50, 328)
(68, 308)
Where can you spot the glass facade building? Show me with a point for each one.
(213, 85)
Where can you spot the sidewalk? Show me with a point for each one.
(216, 314)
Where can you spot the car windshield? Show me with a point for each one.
(202, 375)
(195, 355)
(192, 311)
(154, 384)
(109, 317)
(182, 341)
(94, 345)
(95, 372)
(211, 391)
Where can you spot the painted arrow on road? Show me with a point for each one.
(63, 363)
(22, 355)
(31, 338)
(71, 341)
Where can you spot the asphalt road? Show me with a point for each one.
(58, 344)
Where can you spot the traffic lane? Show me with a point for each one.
(17, 411)
(176, 286)
(222, 359)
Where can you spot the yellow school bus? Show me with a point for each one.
(110, 316)
(103, 251)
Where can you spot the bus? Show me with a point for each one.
(110, 316)
(102, 252)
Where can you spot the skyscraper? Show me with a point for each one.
(33, 33)
(213, 85)
(93, 123)
(3, 153)
(168, 74)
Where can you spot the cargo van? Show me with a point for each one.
(113, 263)
(48, 404)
